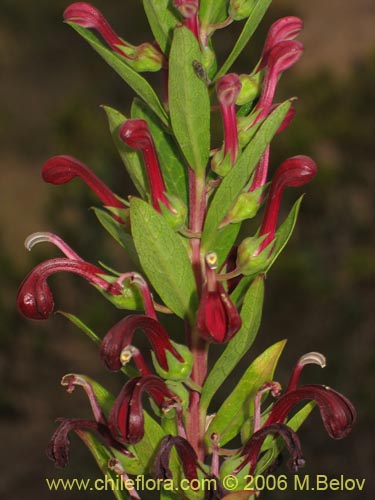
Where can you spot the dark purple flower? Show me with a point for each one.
(218, 319)
(117, 342)
(315, 358)
(337, 412)
(228, 88)
(58, 448)
(35, 299)
(126, 420)
(136, 134)
(185, 452)
(286, 28)
(293, 172)
(252, 448)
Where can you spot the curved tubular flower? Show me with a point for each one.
(40, 237)
(120, 336)
(62, 169)
(252, 448)
(58, 448)
(35, 299)
(228, 88)
(136, 134)
(126, 420)
(337, 412)
(218, 319)
(293, 172)
(286, 28)
(281, 57)
(186, 453)
(189, 11)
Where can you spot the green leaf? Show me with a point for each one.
(131, 158)
(163, 258)
(234, 411)
(274, 447)
(251, 315)
(232, 185)
(285, 231)
(81, 325)
(119, 233)
(172, 165)
(101, 455)
(139, 84)
(247, 32)
(162, 20)
(189, 102)
(147, 447)
(211, 12)
(225, 241)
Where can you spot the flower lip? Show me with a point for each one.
(186, 453)
(35, 299)
(228, 88)
(286, 28)
(120, 336)
(187, 8)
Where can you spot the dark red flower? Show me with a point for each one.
(35, 299)
(120, 336)
(218, 319)
(185, 452)
(126, 420)
(337, 412)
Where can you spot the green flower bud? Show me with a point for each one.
(246, 206)
(176, 215)
(220, 165)
(240, 9)
(248, 259)
(145, 57)
(176, 369)
(250, 89)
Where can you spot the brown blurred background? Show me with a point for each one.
(319, 294)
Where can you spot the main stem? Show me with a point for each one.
(195, 424)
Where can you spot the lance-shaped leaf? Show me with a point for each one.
(162, 20)
(235, 181)
(189, 101)
(163, 258)
(172, 166)
(251, 314)
(82, 326)
(119, 233)
(131, 77)
(247, 32)
(212, 12)
(130, 157)
(234, 411)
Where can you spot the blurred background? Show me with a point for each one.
(318, 295)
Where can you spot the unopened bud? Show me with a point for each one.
(250, 88)
(240, 9)
(176, 370)
(249, 260)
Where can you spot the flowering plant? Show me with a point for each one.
(182, 234)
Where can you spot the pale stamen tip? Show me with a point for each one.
(35, 238)
(315, 358)
(211, 260)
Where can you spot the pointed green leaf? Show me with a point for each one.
(172, 165)
(102, 455)
(147, 447)
(247, 32)
(232, 185)
(119, 233)
(162, 19)
(163, 258)
(131, 158)
(251, 315)
(139, 84)
(81, 325)
(189, 102)
(211, 12)
(234, 411)
(285, 231)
